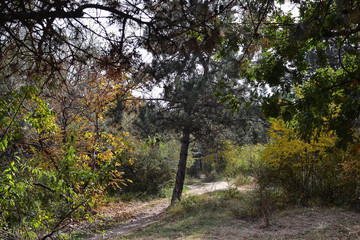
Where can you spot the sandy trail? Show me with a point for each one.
(150, 212)
(206, 187)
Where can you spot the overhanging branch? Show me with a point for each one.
(77, 13)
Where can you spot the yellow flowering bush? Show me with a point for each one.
(303, 170)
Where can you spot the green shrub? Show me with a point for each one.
(199, 203)
(257, 204)
(242, 180)
(153, 167)
(35, 202)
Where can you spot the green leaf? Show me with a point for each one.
(36, 224)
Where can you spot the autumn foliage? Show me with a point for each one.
(314, 170)
(60, 151)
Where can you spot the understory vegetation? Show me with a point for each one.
(310, 171)
(233, 215)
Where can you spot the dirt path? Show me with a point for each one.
(213, 186)
(145, 213)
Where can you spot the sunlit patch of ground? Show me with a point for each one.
(213, 219)
(223, 214)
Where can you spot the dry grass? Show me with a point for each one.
(210, 216)
(226, 214)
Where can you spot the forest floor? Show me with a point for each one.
(208, 213)
(127, 218)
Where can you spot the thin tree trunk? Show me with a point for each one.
(196, 168)
(96, 137)
(217, 157)
(180, 175)
(221, 156)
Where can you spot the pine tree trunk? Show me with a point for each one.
(180, 175)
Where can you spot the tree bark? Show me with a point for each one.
(217, 157)
(180, 175)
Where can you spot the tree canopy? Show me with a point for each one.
(310, 62)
